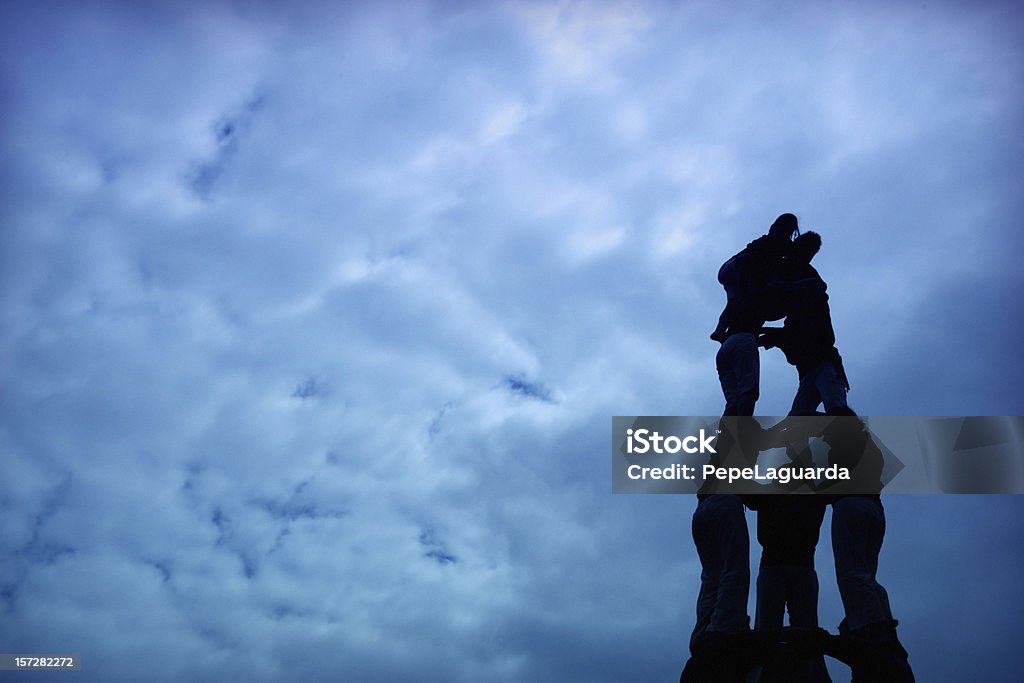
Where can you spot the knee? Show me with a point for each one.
(854, 579)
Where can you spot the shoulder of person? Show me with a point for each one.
(762, 243)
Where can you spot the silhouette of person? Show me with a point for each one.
(868, 630)
(807, 338)
(720, 644)
(858, 518)
(752, 280)
(750, 277)
(719, 524)
(787, 529)
(723, 544)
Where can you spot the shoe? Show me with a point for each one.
(876, 654)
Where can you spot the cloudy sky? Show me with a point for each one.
(314, 317)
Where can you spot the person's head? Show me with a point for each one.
(806, 246)
(784, 228)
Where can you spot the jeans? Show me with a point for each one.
(739, 371)
(780, 587)
(796, 588)
(858, 527)
(723, 545)
(817, 386)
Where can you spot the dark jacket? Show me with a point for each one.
(788, 528)
(757, 272)
(807, 338)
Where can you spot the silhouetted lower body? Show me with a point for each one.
(723, 545)
(821, 385)
(869, 630)
(722, 658)
(788, 529)
(793, 589)
(739, 372)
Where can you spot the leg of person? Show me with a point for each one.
(803, 518)
(770, 603)
(697, 669)
(791, 539)
(739, 371)
(807, 398)
(801, 586)
(796, 588)
(723, 545)
(802, 605)
(769, 619)
(830, 386)
(858, 529)
(788, 527)
(730, 614)
(704, 537)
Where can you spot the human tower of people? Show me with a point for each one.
(773, 279)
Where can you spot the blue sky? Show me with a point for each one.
(314, 318)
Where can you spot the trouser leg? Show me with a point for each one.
(802, 604)
(802, 596)
(830, 386)
(821, 385)
(739, 370)
(858, 529)
(723, 545)
(807, 397)
(719, 643)
(794, 589)
(770, 611)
